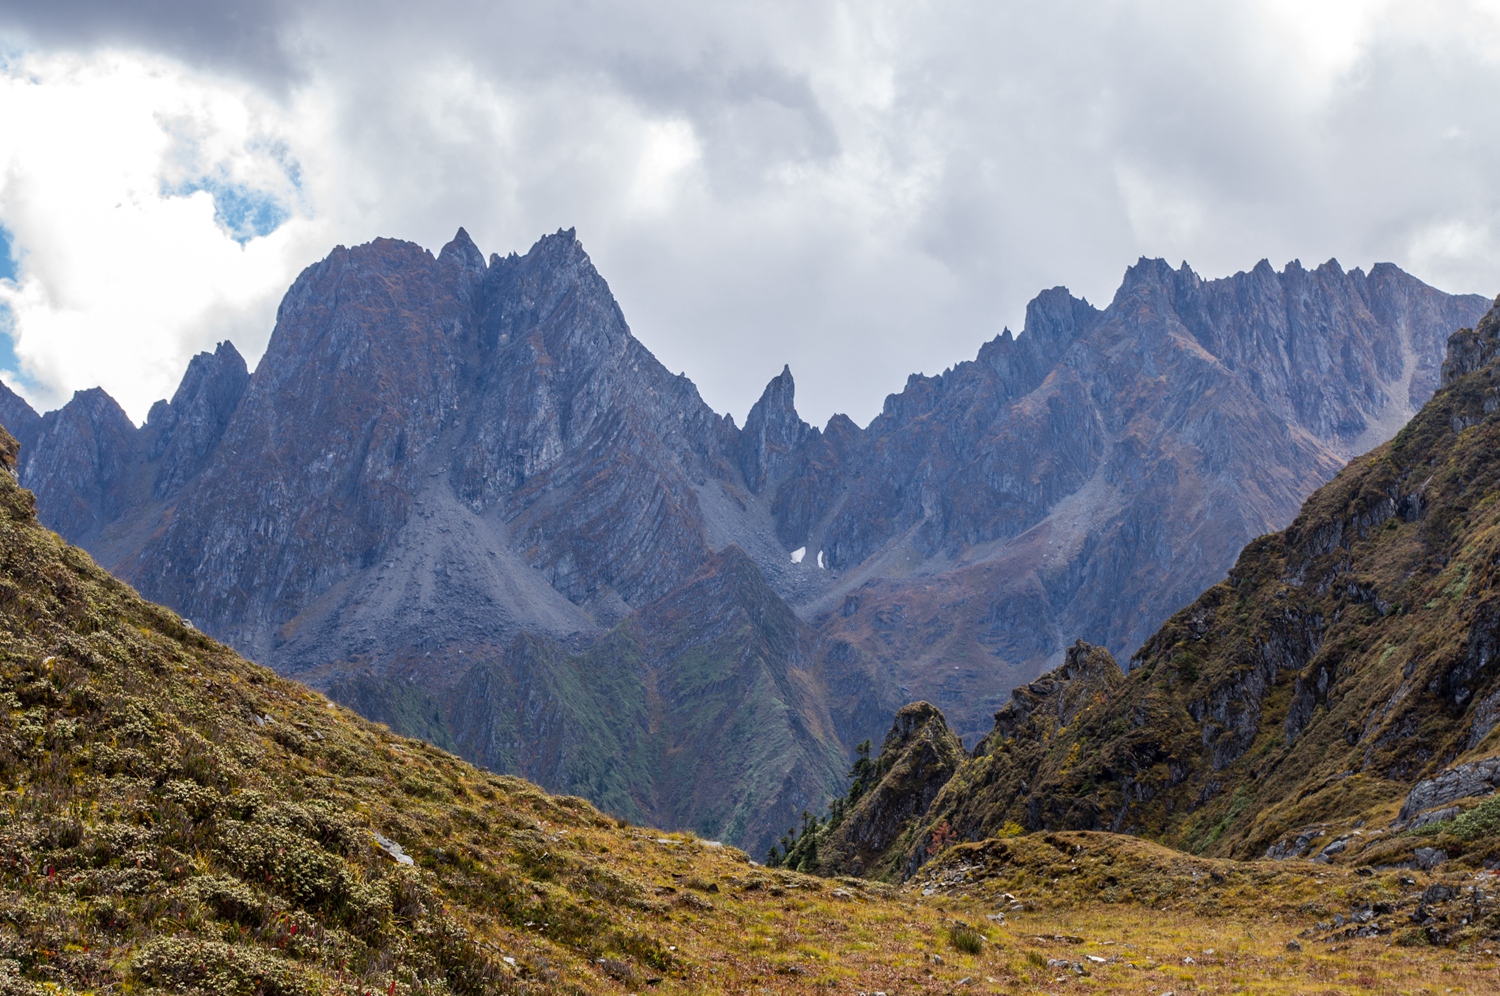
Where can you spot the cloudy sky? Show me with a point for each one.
(861, 190)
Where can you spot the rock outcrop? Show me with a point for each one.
(1088, 676)
(17, 416)
(919, 756)
(185, 431)
(1462, 781)
(1471, 349)
(81, 461)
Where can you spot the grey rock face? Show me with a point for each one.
(80, 462)
(1428, 858)
(1464, 781)
(1470, 349)
(18, 417)
(772, 433)
(185, 431)
(1291, 847)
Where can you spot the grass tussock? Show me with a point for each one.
(966, 939)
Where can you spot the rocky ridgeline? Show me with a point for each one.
(1331, 700)
(457, 492)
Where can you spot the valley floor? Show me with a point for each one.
(959, 929)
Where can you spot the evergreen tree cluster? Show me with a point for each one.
(798, 847)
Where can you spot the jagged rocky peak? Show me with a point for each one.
(1006, 367)
(462, 249)
(84, 452)
(918, 758)
(1057, 318)
(1087, 672)
(17, 416)
(773, 431)
(911, 720)
(1470, 349)
(185, 430)
(553, 303)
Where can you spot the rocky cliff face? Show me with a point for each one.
(919, 756)
(1335, 695)
(461, 494)
(17, 416)
(1095, 473)
(86, 453)
(184, 433)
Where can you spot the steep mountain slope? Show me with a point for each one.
(886, 802)
(460, 495)
(1336, 696)
(714, 708)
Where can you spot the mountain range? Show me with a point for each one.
(458, 494)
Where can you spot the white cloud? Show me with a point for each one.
(862, 190)
(124, 273)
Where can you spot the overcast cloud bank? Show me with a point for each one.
(860, 190)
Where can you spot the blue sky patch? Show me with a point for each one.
(244, 212)
(8, 360)
(7, 255)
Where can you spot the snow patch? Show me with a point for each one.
(820, 561)
(798, 554)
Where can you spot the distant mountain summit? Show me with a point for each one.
(459, 494)
(1092, 475)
